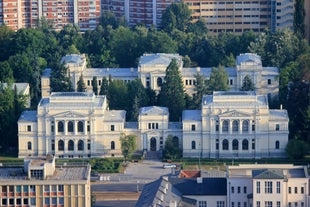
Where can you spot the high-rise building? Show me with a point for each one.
(238, 16)
(25, 14)
(148, 12)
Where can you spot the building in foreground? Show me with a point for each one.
(151, 70)
(41, 183)
(250, 185)
(230, 124)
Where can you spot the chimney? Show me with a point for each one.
(199, 180)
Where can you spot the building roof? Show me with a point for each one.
(61, 173)
(154, 110)
(163, 59)
(191, 115)
(114, 115)
(278, 115)
(267, 174)
(248, 57)
(208, 186)
(28, 116)
(117, 73)
(73, 58)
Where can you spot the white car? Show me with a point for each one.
(169, 165)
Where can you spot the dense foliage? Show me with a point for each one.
(25, 53)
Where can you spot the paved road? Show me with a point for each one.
(117, 187)
(144, 172)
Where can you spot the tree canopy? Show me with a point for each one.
(128, 145)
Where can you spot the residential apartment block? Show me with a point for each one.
(238, 16)
(146, 12)
(250, 185)
(41, 183)
(25, 14)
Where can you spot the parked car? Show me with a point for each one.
(169, 165)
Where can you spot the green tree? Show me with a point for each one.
(94, 84)
(137, 98)
(118, 95)
(172, 148)
(104, 86)
(296, 149)
(6, 72)
(6, 42)
(247, 84)
(152, 97)
(200, 89)
(299, 17)
(109, 19)
(81, 87)
(176, 16)
(60, 81)
(172, 91)
(218, 80)
(160, 42)
(128, 145)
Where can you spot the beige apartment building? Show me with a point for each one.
(41, 183)
(238, 16)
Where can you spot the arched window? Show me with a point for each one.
(61, 145)
(70, 126)
(245, 126)
(193, 145)
(80, 145)
(225, 144)
(112, 145)
(225, 126)
(245, 144)
(70, 145)
(277, 145)
(60, 126)
(29, 146)
(235, 126)
(159, 82)
(80, 126)
(235, 144)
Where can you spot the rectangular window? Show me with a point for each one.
(60, 188)
(232, 189)
(277, 127)
(112, 128)
(153, 125)
(156, 125)
(239, 189)
(244, 190)
(302, 204)
(202, 203)
(18, 201)
(193, 127)
(88, 82)
(289, 204)
(278, 204)
(268, 187)
(295, 190)
(220, 203)
(217, 127)
(278, 187)
(258, 187)
(53, 145)
(253, 144)
(47, 201)
(25, 188)
(257, 203)
(230, 81)
(32, 201)
(88, 144)
(253, 127)
(28, 128)
(217, 144)
(302, 190)
(150, 126)
(268, 203)
(245, 204)
(289, 190)
(232, 204)
(46, 188)
(18, 188)
(239, 204)
(269, 81)
(61, 201)
(54, 201)
(25, 201)
(296, 204)
(4, 201)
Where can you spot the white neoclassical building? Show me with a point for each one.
(235, 124)
(151, 70)
(230, 124)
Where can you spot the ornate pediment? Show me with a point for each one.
(234, 113)
(70, 114)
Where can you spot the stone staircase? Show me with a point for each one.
(152, 155)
